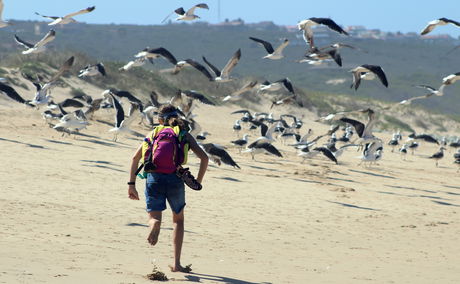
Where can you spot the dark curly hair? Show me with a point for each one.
(170, 115)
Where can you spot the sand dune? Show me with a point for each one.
(67, 217)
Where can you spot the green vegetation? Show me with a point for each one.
(394, 123)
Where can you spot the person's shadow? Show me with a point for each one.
(196, 277)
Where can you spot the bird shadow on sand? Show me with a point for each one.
(103, 143)
(136, 225)
(445, 203)
(197, 277)
(371, 174)
(307, 181)
(451, 186)
(101, 162)
(228, 179)
(84, 135)
(105, 167)
(353, 206)
(410, 188)
(58, 142)
(22, 143)
(111, 124)
(342, 179)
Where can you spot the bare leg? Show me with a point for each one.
(178, 238)
(154, 224)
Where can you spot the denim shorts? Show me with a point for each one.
(161, 187)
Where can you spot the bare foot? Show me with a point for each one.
(154, 232)
(179, 268)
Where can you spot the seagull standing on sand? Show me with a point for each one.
(273, 54)
(438, 155)
(93, 70)
(220, 75)
(368, 72)
(241, 142)
(2, 22)
(39, 46)
(439, 22)
(67, 18)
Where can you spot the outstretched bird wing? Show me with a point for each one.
(231, 63)
(10, 92)
(359, 126)
(330, 24)
(268, 46)
(84, 11)
(194, 95)
(326, 152)
(23, 43)
(47, 38)
(192, 10)
(64, 68)
(49, 17)
(271, 149)
(200, 68)
(377, 70)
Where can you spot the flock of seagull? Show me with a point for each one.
(284, 129)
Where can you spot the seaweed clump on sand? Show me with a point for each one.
(157, 275)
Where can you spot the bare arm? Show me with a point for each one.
(132, 192)
(200, 154)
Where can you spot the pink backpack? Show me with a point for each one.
(164, 150)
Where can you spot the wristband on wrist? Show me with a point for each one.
(131, 182)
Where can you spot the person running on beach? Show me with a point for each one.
(167, 186)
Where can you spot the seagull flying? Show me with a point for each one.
(67, 18)
(439, 22)
(277, 85)
(39, 46)
(367, 72)
(10, 92)
(121, 124)
(238, 94)
(135, 63)
(189, 15)
(448, 80)
(272, 53)
(218, 154)
(163, 52)
(220, 76)
(2, 23)
(307, 24)
(93, 70)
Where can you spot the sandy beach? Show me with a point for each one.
(66, 216)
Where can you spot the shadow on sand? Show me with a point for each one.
(353, 206)
(197, 277)
(228, 178)
(410, 188)
(371, 174)
(105, 167)
(445, 203)
(27, 144)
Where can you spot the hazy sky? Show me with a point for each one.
(387, 15)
